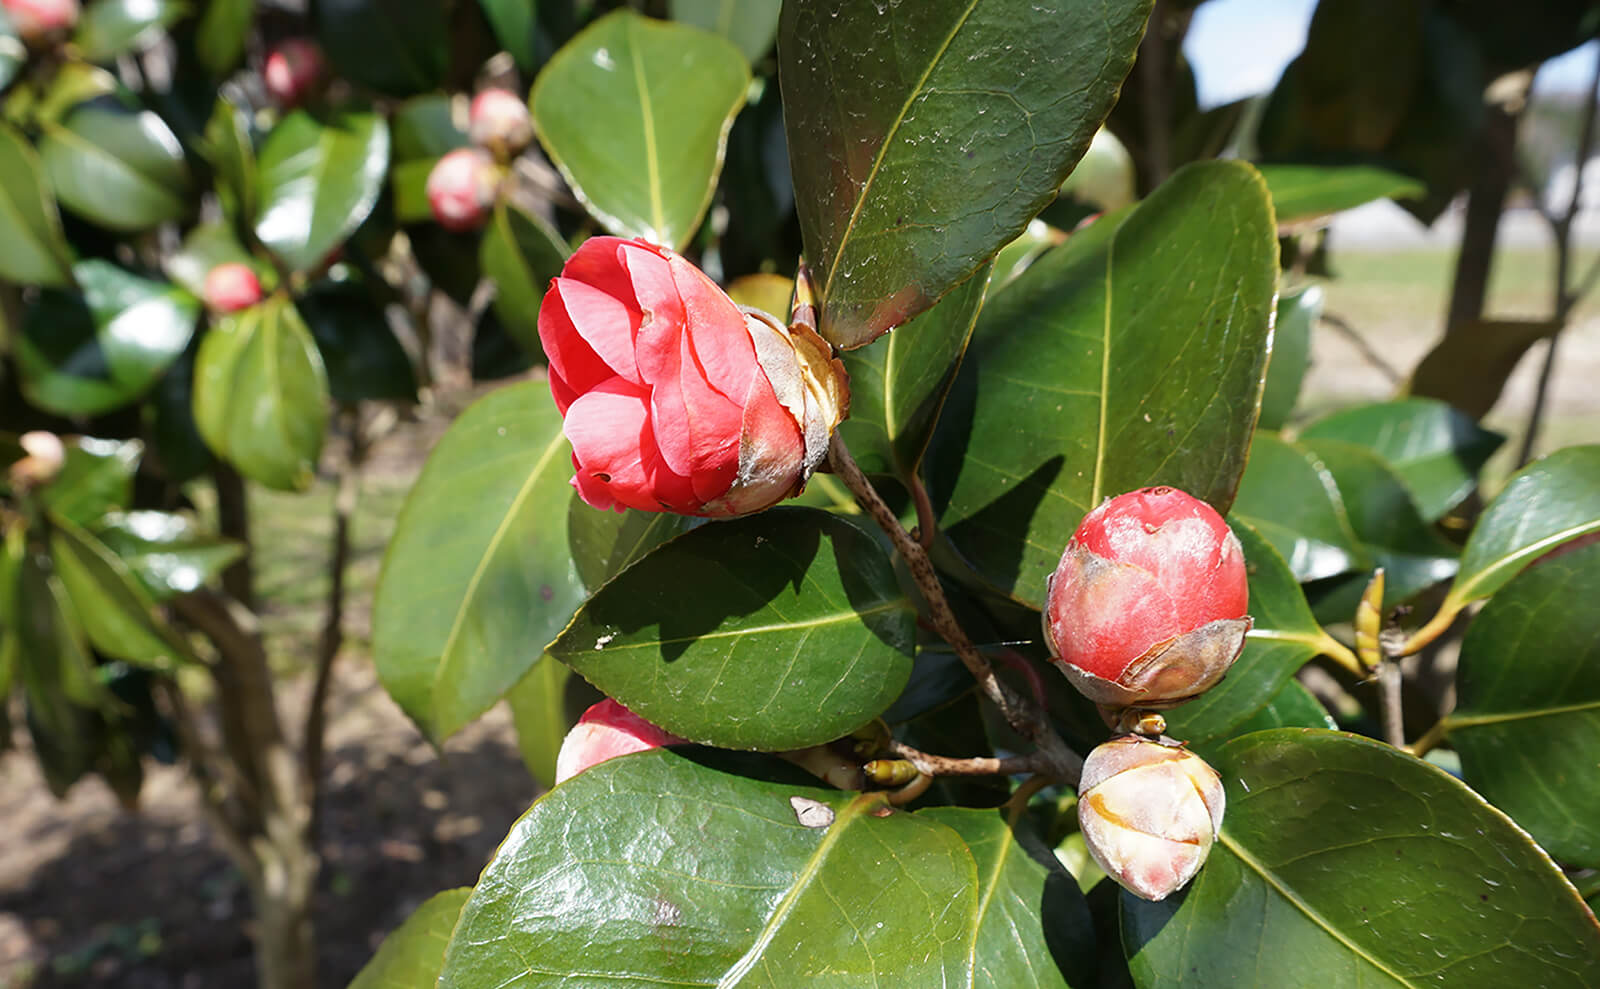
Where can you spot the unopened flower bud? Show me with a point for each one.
(606, 731)
(45, 456)
(1147, 606)
(1149, 812)
(676, 399)
(462, 188)
(295, 69)
(499, 121)
(35, 21)
(231, 287)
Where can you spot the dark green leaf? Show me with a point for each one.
(1131, 355)
(603, 543)
(1305, 194)
(33, 250)
(477, 580)
(1469, 367)
(224, 29)
(109, 28)
(635, 113)
(206, 246)
(116, 613)
(1291, 498)
(1292, 707)
(1436, 450)
(121, 169)
(1527, 717)
(97, 478)
(924, 136)
(318, 180)
(56, 665)
(516, 28)
(396, 48)
(653, 870)
(168, 553)
(412, 954)
(521, 253)
(230, 149)
(363, 358)
(426, 127)
(539, 713)
(751, 25)
(261, 394)
(1284, 637)
(775, 631)
(1356, 865)
(84, 354)
(898, 386)
(1291, 355)
(1032, 926)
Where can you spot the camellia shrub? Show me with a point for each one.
(893, 525)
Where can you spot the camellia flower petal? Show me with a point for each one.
(675, 398)
(606, 731)
(294, 69)
(1147, 607)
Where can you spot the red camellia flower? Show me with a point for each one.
(461, 188)
(606, 731)
(675, 398)
(294, 69)
(33, 20)
(1147, 606)
(231, 287)
(499, 121)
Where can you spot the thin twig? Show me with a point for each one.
(1366, 350)
(926, 522)
(1430, 739)
(1389, 698)
(943, 765)
(1024, 717)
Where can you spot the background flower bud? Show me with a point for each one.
(295, 69)
(1147, 606)
(34, 20)
(499, 121)
(44, 456)
(462, 187)
(606, 731)
(231, 287)
(676, 399)
(1149, 812)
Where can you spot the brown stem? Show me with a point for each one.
(943, 765)
(233, 522)
(1389, 702)
(1023, 716)
(926, 522)
(1368, 354)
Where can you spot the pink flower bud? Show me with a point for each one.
(44, 456)
(1147, 606)
(295, 69)
(675, 398)
(35, 20)
(231, 287)
(606, 731)
(1149, 812)
(462, 189)
(499, 121)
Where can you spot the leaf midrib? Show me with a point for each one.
(835, 618)
(1468, 590)
(648, 125)
(1454, 721)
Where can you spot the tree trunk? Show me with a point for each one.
(286, 954)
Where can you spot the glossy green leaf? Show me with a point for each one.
(205, 246)
(924, 136)
(775, 631)
(752, 25)
(109, 28)
(1284, 638)
(477, 580)
(319, 178)
(1291, 498)
(521, 253)
(1356, 865)
(1302, 195)
(86, 353)
(1547, 503)
(222, 33)
(515, 24)
(1291, 355)
(1527, 716)
(653, 870)
(73, 83)
(635, 113)
(603, 543)
(1469, 367)
(33, 250)
(1032, 926)
(539, 713)
(57, 668)
(261, 394)
(358, 347)
(1131, 355)
(898, 386)
(121, 169)
(167, 553)
(1291, 707)
(117, 615)
(96, 478)
(396, 48)
(230, 149)
(1437, 451)
(411, 956)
